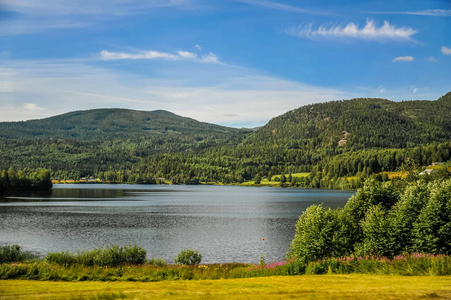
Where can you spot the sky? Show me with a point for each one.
(236, 63)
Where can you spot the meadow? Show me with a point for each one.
(277, 287)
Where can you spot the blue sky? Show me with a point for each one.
(230, 62)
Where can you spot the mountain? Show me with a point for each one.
(111, 124)
(332, 139)
(338, 138)
(360, 124)
(79, 143)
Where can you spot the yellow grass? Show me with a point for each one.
(281, 287)
(304, 174)
(395, 174)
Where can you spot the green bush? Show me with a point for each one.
(188, 257)
(377, 221)
(13, 253)
(158, 262)
(105, 256)
(62, 258)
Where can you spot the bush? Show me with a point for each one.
(108, 256)
(321, 232)
(62, 258)
(12, 254)
(378, 221)
(188, 257)
(158, 262)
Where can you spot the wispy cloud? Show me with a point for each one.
(280, 6)
(432, 59)
(427, 12)
(87, 7)
(446, 50)
(30, 16)
(352, 31)
(403, 59)
(151, 54)
(210, 58)
(216, 93)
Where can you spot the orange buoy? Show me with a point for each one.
(263, 239)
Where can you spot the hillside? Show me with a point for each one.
(345, 138)
(110, 124)
(88, 142)
(360, 124)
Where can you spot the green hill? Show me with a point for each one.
(111, 124)
(360, 124)
(345, 138)
(90, 142)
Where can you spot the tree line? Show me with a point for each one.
(12, 180)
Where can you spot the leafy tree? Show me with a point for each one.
(377, 238)
(283, 179)
(257, 179)
(320, 233)
(420, 221)
(432, 229)
(188, 257)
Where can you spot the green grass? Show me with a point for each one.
(341, 278)
(403, 265)
(281, 287)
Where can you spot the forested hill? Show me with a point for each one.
(360, 124)
(112, 124)
(83, 143)
(343, 138)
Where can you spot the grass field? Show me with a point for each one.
(280, 287)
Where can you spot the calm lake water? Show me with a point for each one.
(224, 223)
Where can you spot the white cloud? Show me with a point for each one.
(107, 55)
(210, 58)
(180, 55)
(368, 32)
(32, 107)
(186, 54)
(432, 59)
(427, 12)
(279, 6)
(403, 59)
(431, 12)
(446, 51)
(87, 7)
(198, 47)
(413, 89)
(381, 89)
(40, 16)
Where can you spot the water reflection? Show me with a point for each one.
(224, 223)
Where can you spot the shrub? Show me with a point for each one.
(158, 262)
(321, 232)
(378, 221)
(62, 258)
(188, 257)
(13, 253)
(105, 256)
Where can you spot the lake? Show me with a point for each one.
(224, 223)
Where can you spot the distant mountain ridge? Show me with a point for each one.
(110, 123)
